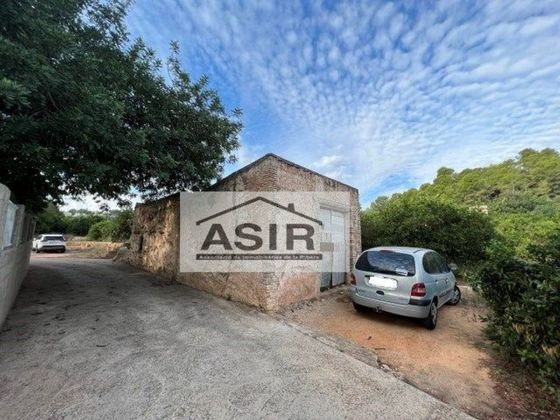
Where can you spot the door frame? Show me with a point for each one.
(344, 211)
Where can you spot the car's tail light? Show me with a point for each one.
(418, 290)
(352, 279)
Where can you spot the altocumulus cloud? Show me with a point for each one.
(377, 94)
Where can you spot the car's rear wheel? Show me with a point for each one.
(456, 298)
(431, 320)
(360, 308)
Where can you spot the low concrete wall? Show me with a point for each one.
(16, 238)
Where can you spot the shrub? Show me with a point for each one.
(525, 301)
(412, 219)
(80, 224)
(101, 231)
(548, 252)
(122, 225)
(524, 230)
(116, 228)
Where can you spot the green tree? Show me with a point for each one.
(122, 225)
(533, 175)
(86, 109)
(50, 220)
(116, 226)
(413, 219)
(102, 231)
(79, 224)
(521, 231)
(525, 303)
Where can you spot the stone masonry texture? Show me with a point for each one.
(155, 237)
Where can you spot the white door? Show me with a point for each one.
(333, 247)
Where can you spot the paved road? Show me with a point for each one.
(97, 339)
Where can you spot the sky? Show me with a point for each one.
(376, 94)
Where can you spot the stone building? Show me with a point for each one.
(155, 238)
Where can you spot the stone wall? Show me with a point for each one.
(276, 174)
(155, 238)
(154, 243)
(16, 237)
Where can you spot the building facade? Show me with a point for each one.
(155, 238)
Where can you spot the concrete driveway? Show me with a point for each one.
(97, 339)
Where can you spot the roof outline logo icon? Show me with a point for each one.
(289, 208)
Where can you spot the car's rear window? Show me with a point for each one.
(53, 238)
(387, 262)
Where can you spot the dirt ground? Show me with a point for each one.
(87, 249)
(452, 362)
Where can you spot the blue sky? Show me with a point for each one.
(376, 94)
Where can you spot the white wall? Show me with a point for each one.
(16, 235)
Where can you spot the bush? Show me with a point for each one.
(115, 225)
(412, 219)
(80, 224)
(117, 228)
(523, 230)
(548, 252)
(525, 301)
(101, 231)
(122, 225)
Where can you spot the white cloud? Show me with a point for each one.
(326, 162)
(376, 92)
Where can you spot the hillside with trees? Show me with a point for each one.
(501, 224)
(520, 196)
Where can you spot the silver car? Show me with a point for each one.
(413, 282)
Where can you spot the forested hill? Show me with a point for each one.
(521, 197)
(531, 182)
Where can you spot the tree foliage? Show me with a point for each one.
(413, 219)
(114, 225)
(525, 302)
(512, 254)
(51, 220)
(85, 109)
(100, 231)
(521, 197)
(79, 224)
(115, 228)
(532, 176)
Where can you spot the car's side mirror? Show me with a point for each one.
(453, 267)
